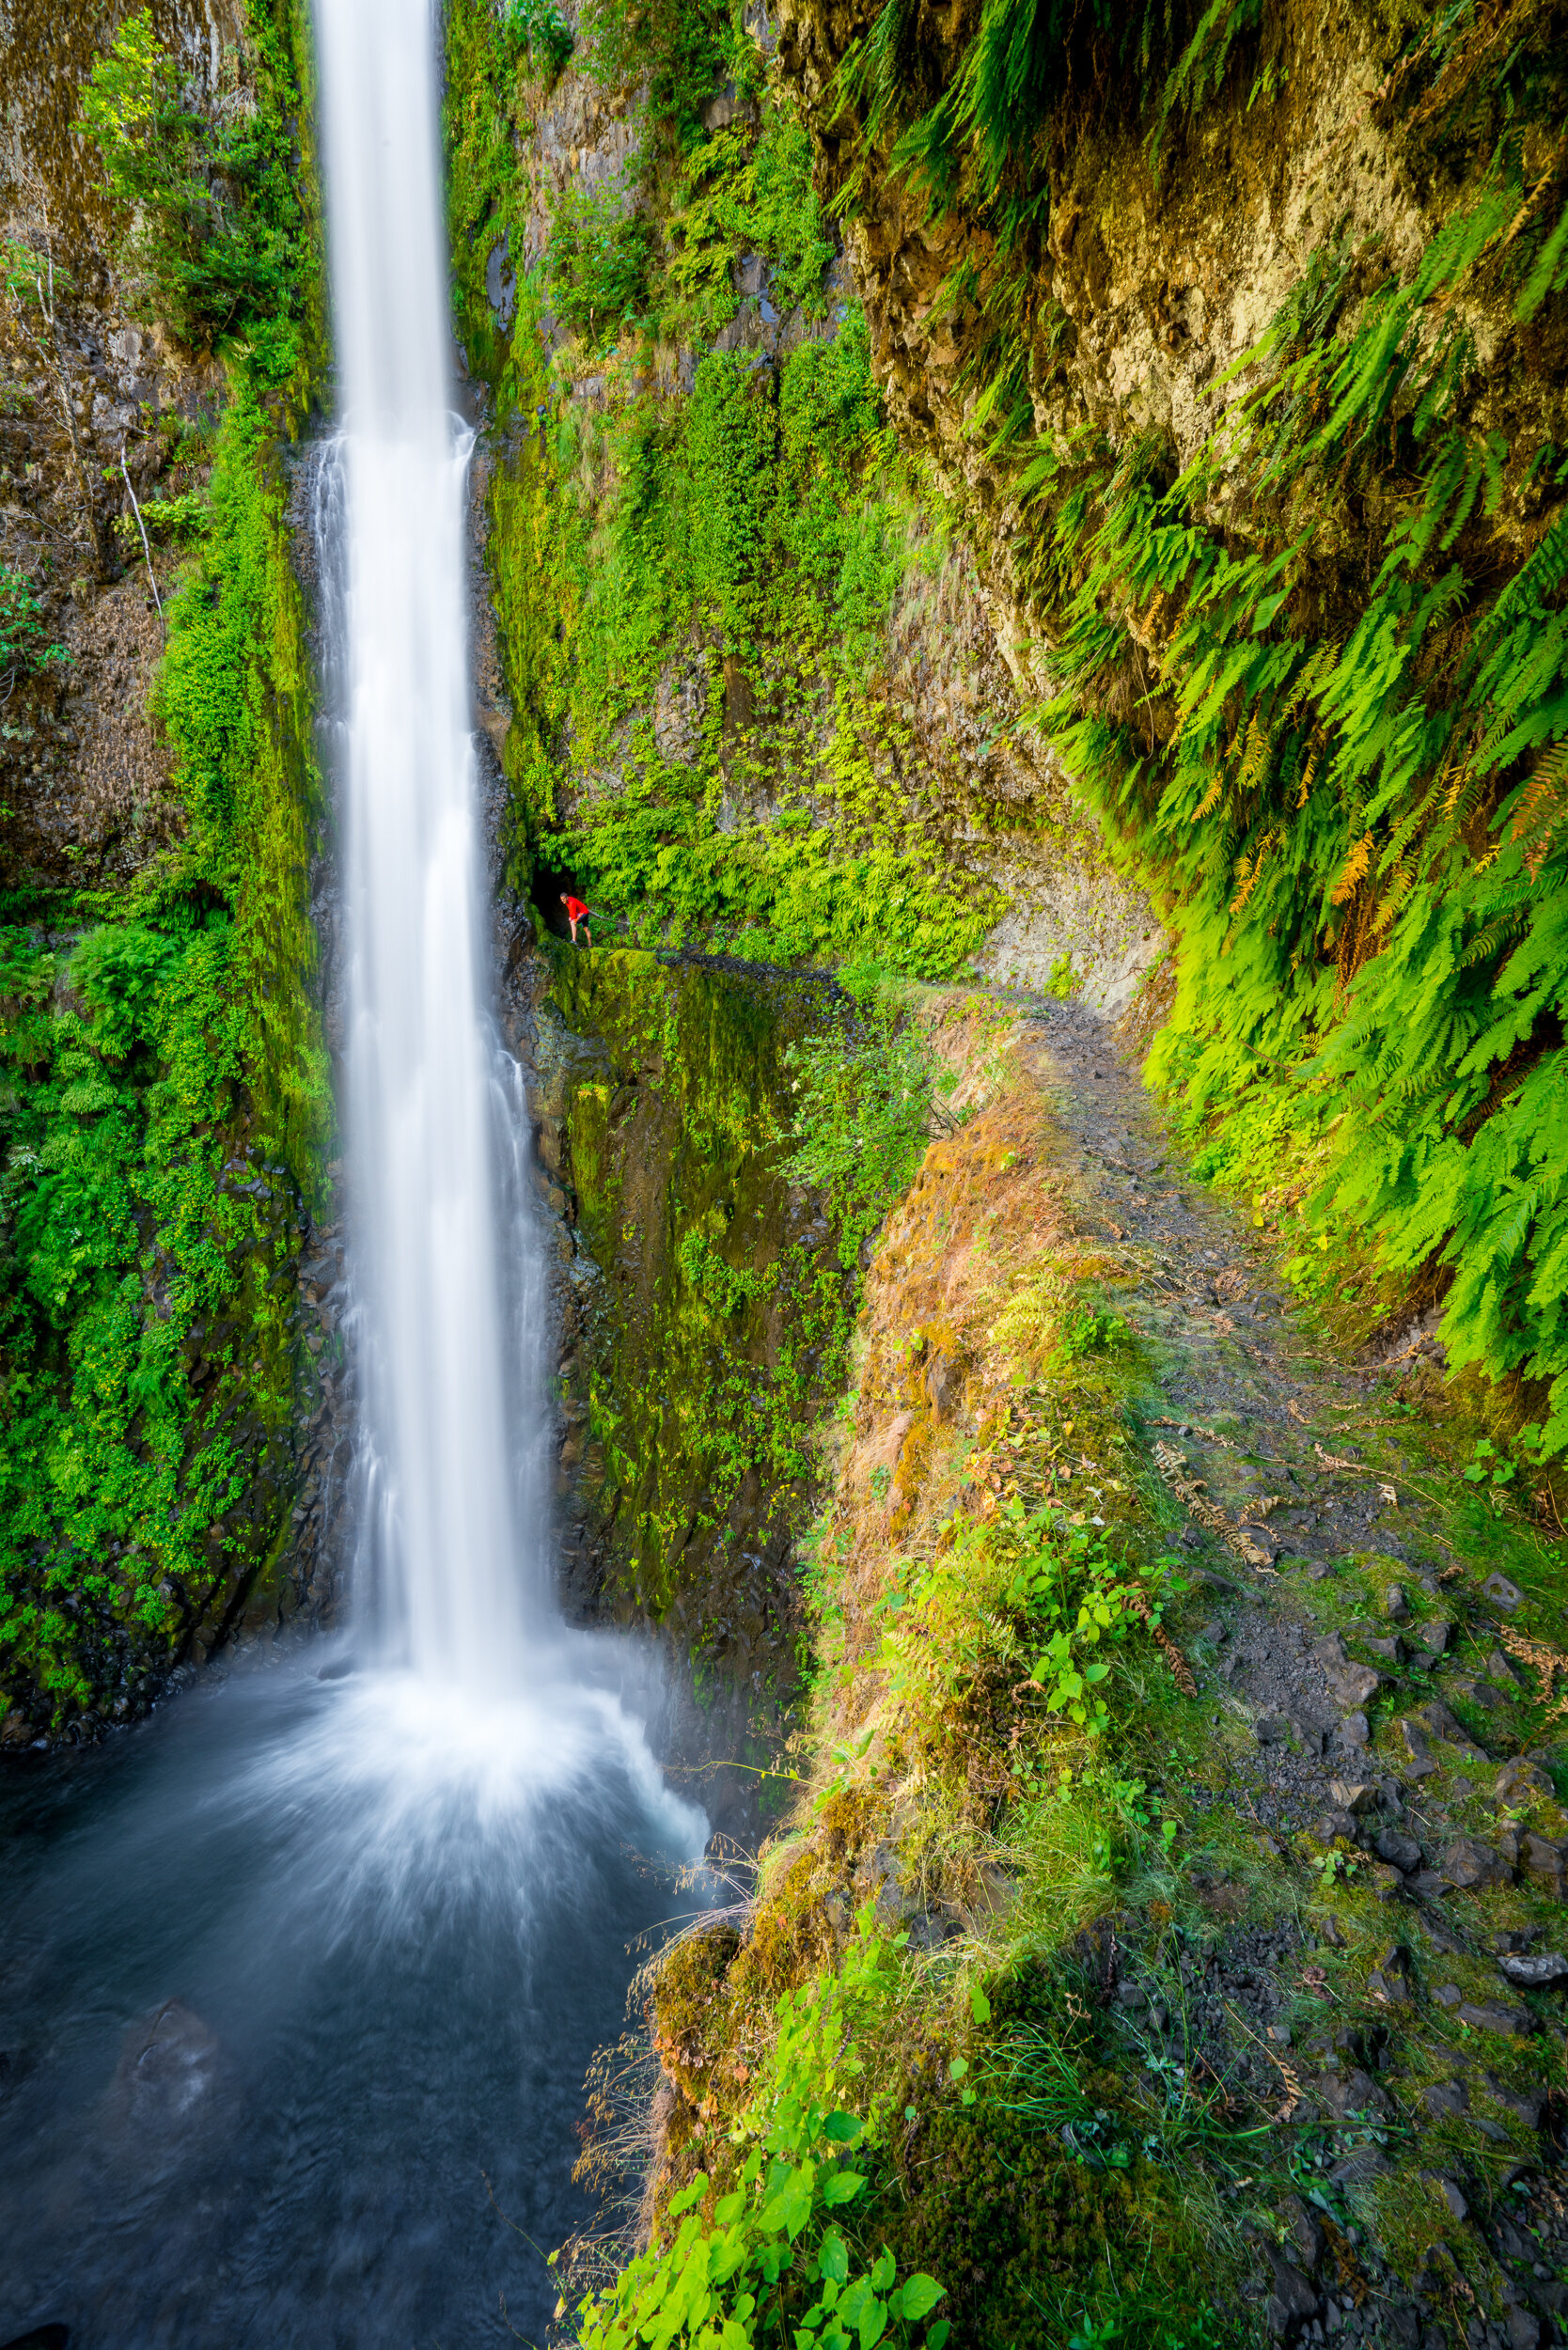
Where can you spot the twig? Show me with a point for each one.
(147, 550)
(1212, 1435)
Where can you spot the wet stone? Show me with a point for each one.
(1400, 1851)
(1446, 2100)
(1471, 1866)
(1537, 1971)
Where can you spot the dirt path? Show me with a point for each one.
(1378, 1651)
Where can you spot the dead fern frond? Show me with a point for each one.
(1353, 872)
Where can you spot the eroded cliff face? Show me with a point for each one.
(173, 1390)
(1153, 274)
(1244, 359)
(607, 460)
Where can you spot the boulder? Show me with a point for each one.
(1547, 1860)
(1446, 2100)
(1521, 1781)
(1353, 2096)
(1398, 1850)
(1525, 2104)
(1477, 1692)
(1353, 1686)
(1471, 1866)
(1537, 1971)
(1441, 1723)
(1496, 2016)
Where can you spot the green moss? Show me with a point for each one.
(723, 1328)
(755, 534)
(163, 1109)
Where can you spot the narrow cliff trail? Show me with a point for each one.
(1315, 1492)
(1377, 1648)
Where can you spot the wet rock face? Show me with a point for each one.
(656, 1092)
(1146, 287)
(88, 405)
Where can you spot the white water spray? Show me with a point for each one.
(427, 1119)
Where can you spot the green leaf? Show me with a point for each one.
(689, 2195)
(842, 2186)
(917, 2297)
(979, 2006)
(833, 2258)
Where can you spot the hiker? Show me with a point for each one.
(576, 912)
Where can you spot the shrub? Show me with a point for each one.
(23, 644)
(211, 232)
(597, 262)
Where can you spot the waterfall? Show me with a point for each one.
(307, 1981)
(431, 1134)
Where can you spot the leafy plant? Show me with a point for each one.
(158, 1126)
(539, 27)
(212, 226)
(1488, 1466)
(1379, 940)
(1065, 1583)
(778, 2257)
(24, 637)
(862, 1102)
(596, 264)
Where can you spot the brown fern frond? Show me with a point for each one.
(1355, 871)
(1255, 760)
(1310, 774)
(1536, 819)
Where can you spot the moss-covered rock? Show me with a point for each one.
(707, 1307)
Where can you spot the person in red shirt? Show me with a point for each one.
(576, 912)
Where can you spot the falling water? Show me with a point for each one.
(426, 1115)
(297, 1974)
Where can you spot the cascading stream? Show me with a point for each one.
(298, 1980)
(446, 1564)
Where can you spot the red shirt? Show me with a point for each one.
(575, 910)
